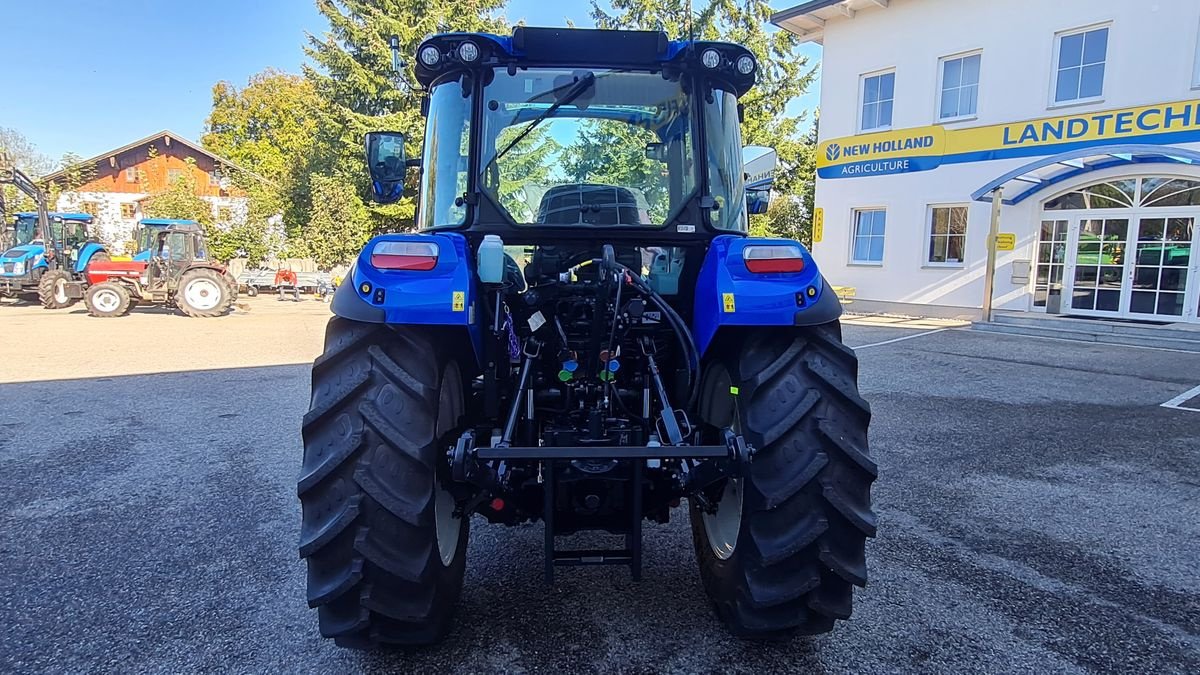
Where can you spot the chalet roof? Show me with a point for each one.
(167, 137)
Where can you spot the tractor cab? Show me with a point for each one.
(145, 235)
(176, 248)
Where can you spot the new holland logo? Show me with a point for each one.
(833, 152)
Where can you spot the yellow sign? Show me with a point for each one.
(460, 301)
(926, 148)
(727, 300)
(818, 224)
(1006, 241)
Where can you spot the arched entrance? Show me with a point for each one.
(1122, 248)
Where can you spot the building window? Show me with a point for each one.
(947, 235)
(1080, 69)
(174, 175)
(128, 211)
(960, 87)
(868, 236)
(878, 93)
(131, 174)
(91, 208)
(214, 179)
(1051, 259)
(225, 215)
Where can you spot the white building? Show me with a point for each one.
(1086, 113)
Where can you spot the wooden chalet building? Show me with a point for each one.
(112, 186)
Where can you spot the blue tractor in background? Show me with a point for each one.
(145, 235)
(46, 252)
(582, 333)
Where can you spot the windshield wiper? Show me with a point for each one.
(577, 89)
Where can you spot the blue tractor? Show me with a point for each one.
(47, 254)
(146, 234)
(582, 333)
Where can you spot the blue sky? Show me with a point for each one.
(141, 66)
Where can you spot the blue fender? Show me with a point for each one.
(443, 296)
(142, 256)
(86, 252)
(728, 294)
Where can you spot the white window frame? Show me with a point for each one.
(862, 99)
(131, 174)
(1054, 69)
(926, 254)
(941, 74)
(854, 214)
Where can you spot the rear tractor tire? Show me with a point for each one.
(784, 547)
(386, 554)
(203, 293)
(107, 299)
(52, 290)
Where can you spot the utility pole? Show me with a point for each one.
(989, 278)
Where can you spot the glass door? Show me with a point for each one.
(1097, 273)
(1162, 272)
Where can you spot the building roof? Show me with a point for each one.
(167, 137)
(807, 20)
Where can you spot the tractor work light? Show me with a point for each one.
(711, 58)
(419, 256)
(773, 258)
(468, 52)
(431, 56)
(746, 65)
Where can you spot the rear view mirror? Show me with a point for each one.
(387, 165)
(759, 164)
(757, 201)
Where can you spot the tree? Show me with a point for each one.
(268, 127)
(24, 154)
(360, 92)
(614, 153)
(783, 72)
(340, 225)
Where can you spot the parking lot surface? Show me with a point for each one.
(1038, 511)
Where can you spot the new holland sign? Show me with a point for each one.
(925, 148)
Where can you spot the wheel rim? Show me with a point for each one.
(202, 294)
(723, 527)
(448, 526)
(106, 300)
(60, 290)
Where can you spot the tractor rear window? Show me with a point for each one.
(587, 148)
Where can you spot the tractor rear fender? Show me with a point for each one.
(429, 283)
(86, 252)
(728, 293)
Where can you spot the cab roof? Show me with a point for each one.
(84, 217)
(166, 222)
(583, 48)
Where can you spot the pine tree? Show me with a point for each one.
(354, 77)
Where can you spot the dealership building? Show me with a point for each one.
(1082, 116)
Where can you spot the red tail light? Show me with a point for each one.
(773, 258)
(405, 255)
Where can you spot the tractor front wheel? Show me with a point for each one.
(781, 547)
(108, 299)
(203, 293)
(384, 541)
(52, 290)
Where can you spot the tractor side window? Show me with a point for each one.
(726, 173)
(445, 168)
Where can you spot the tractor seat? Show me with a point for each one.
(593, 204)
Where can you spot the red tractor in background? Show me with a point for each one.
(177, 274)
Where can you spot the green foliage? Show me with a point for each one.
(353, 76)
(783, 75)
(614, 153)
(179, 200)
(527, 164)
(340, 224)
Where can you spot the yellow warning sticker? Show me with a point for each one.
(727, 301)
(818, 231)
(460, 301)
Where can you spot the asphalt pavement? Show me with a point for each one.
(1038, 512)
